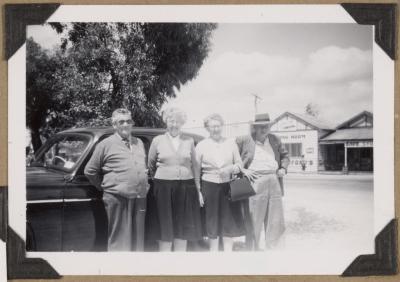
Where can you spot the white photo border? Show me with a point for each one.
(273, 262)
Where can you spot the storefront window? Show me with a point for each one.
(294, 149)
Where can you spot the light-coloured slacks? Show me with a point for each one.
(126, 219)
(266, 209)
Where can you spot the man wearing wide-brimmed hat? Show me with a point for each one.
(265, 163)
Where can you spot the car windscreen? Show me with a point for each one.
(63, 152)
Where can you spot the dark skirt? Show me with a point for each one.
(178, 209)
(222, 216)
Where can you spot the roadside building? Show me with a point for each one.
(350, 147)
(300, 134)
(315, 145)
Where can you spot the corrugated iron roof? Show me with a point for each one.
(362, 133)
(354, 118)
(321, 124)
(311, 121)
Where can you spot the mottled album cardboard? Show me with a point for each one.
(323, 75)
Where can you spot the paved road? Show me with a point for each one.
(328, 212)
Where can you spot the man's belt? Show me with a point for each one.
(266, 172)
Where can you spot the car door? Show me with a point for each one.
(84, 219)
(44, 210)
(45, 183)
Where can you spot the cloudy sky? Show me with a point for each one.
(286, 65)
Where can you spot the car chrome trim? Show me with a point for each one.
(43, 201)
(78, 200)
(59, 201)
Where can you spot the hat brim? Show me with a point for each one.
(260, 122)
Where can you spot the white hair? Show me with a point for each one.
(211, 117)
(173, 112)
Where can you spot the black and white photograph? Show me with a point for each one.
(210, 140)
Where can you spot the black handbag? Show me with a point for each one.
(241, 189)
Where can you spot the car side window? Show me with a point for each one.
(64, 153)
(82, 166)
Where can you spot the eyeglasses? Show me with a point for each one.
(127, 121)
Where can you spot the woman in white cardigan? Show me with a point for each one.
(172, 165)
(219, 159)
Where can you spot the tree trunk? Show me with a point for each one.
(115, 95)
(36, 141)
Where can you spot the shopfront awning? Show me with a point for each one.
(348, 134)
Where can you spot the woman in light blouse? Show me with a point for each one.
(219, 159)
(172, 165)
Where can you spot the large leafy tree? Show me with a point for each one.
(103, 66)
(40, 88)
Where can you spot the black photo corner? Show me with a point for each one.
(18, 16)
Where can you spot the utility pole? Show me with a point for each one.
(256, 99)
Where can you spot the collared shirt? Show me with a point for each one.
(264, 157)
(215, 157)
(126, 141)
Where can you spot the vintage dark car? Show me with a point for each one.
(64, 211)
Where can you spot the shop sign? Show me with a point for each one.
(298, 136)
(359, 144)
(297, 162)
(294, 137)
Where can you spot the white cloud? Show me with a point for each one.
(338, 80)
(334, 64)
(252, 69)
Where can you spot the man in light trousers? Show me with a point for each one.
(118, 168)
(265, 163)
